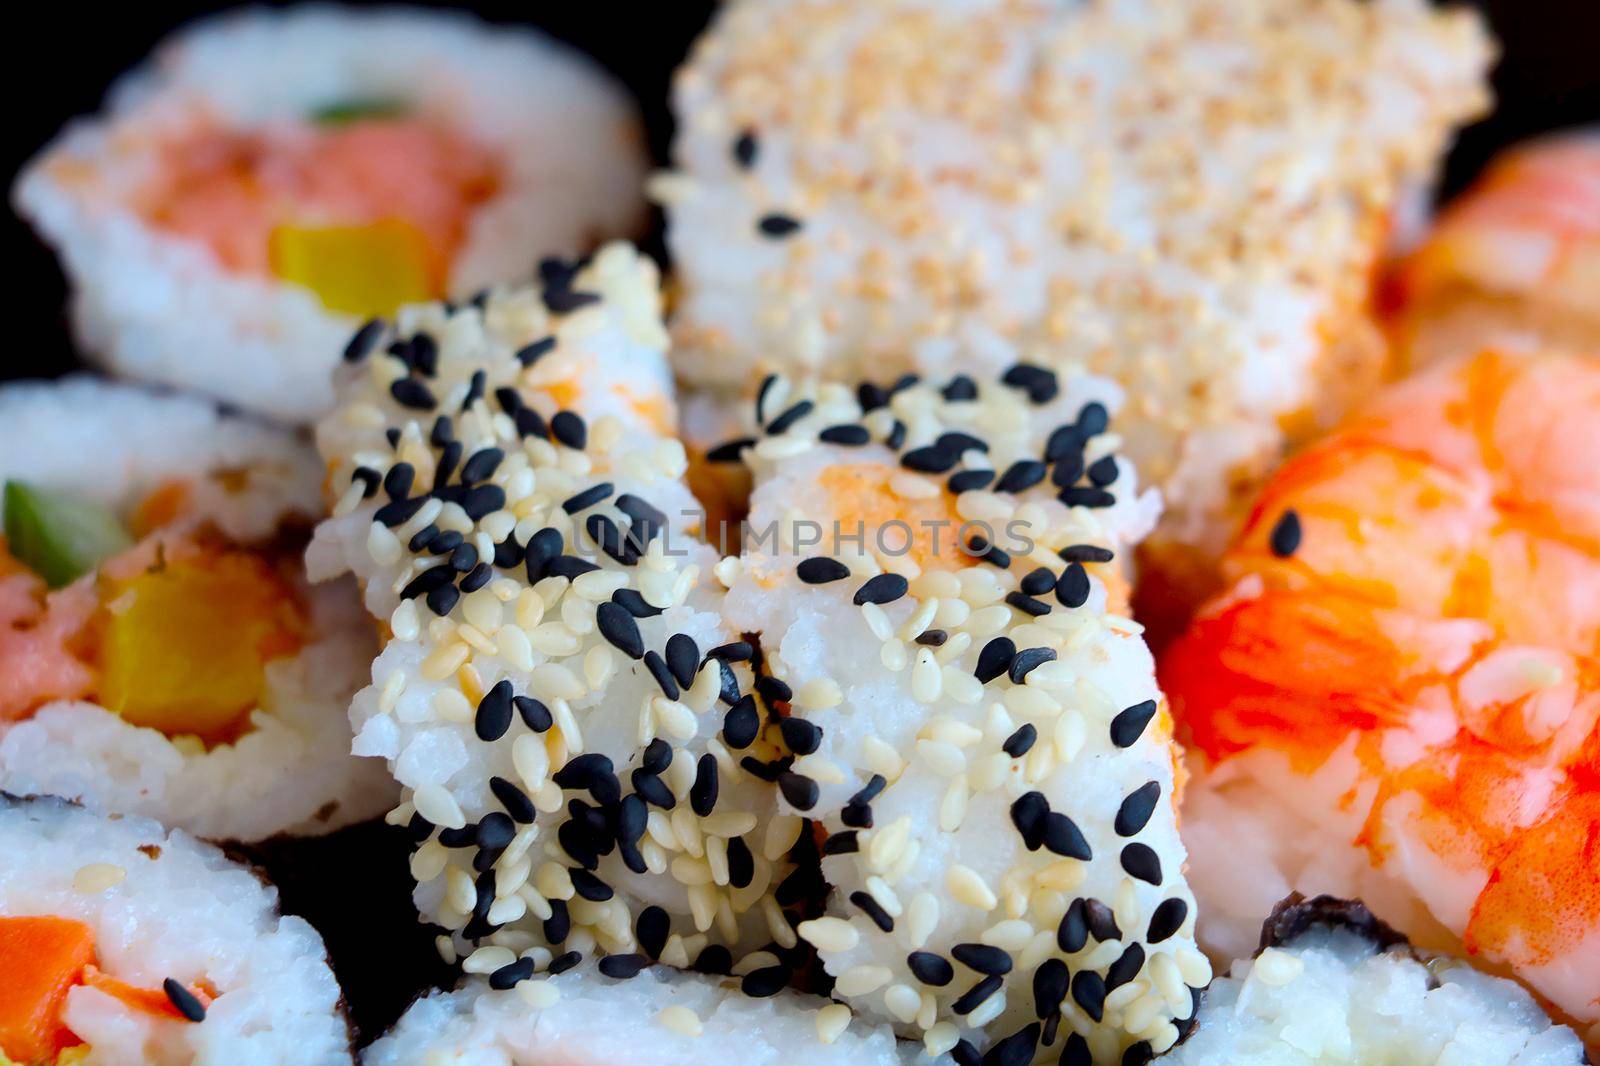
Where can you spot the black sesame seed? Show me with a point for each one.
(369, 481)
(544, 547)
(1021, 475)
(1063, 837)
(590, 887)
(801, 737)
(715, 959)
(856, 815)
(565, 301)
(587, 498)
(848, 434)
(882, 588)
(425, 582)
(618, 627)
(973, 997)
(1028, 813)
(1103, 471)
(969, 480)
(1067, 471)
(798, 789)
(464, 558)
(683, 658)
(1086, 497)
(475, 387)
(897, 436)
(530, 424)
(1027, 604)
(591, 772)
(653, 790)
(703, 793)
(874, 910)
(630, 600)
(1021, 742)
(767, 981)
(1016, 1049)
(820, 570)
(1038, 581)
(931, 969)
(532, 353)
(1086, 553)
(1141, 861)
(1027, 660)
(1073, 932)
(1136, 809)
(513, 799)
(569, 566)
(741, 724)
(464, 837)
(511, 974)
(1167, 919)
(443, 431)
(562, 963)
(741, 863)
(425, 354)
(980, 548)
(1127, 966)
(397, 482)
(570, 429)
(392, 435)
(1089, 992)
(623, 967)
(495, 830)
(930, 459)
(932, 638)
(652, 929)
(737, 651)
(1072, 590)
(1050, 983)
(534, 714)
(773, 690)
(364, 340)
(477, 577)
(184, 1000)
(423, 538)
(442, 599)
(1062, 442)
(995, 659)
(494, 712)
(958, 442)
(559, 924)
(445, 468)
(982, 958)
(788, 418)
(1285, 539)
(869, 792)
(964, 1054)
(1128, 726)
(1139, 1054)
(657, 756)
(1102, 921)
(663, 676)
(483, 500)
(841, 843)
(961, 388)
(398, 511)
(1076, 1052)
(777, 226)
(1039, 383)
(482, 465)
(409, 392)
(446, 542)
(745, 149)
(729, 451)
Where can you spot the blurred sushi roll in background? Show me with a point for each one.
(124, 942)
(1398, 700)
(1514, 260)
(161, 652)
(270, 178)
(934, 572)
(1188, 198)
(1332, 984)
(559, 696)
(583, 1018)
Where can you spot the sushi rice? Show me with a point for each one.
(976, 722)
(156, 303)
(160, 908)
(287, 766)
(605, 815)
(660, 1016)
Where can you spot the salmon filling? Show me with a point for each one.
(368, 212)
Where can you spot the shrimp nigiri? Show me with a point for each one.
(1398, 699)
(1516, 257)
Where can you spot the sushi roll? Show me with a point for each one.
(124, 942)
(1188, 198)
(1398, 699)
(1331, 984)
(161, 652)
(271, 178)
(559, 697)
(667, 1018)
(933, 570)
(1515, 259)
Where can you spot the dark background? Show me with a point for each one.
(1549, 77)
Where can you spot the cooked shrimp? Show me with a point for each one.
(1400, 696)
(1516, 256)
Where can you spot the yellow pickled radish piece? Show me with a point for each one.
(364, 270)
(185, 644)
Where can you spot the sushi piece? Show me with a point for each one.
(123, 942)
(271, 178)
(161, 652)
(1399, 698)
(1188, 198)
(933, 570)
(582, 1018)
(1515, 259)
(558, 695)
(1332, 984)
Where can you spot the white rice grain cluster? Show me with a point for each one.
(155, 306)
(1331, 997)
(164, 906)
(934, 574)
(554, 689)
(291, 769)
(661, 1017)
(1187, 197)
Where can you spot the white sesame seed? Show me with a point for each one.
(902, 1001)
(968, 888)
(818, 694)
(859, 980)
(988, 1010)
(832, 1021)
(680, 1020)
(921, 918)
(829, 934)
(436, 804)
(97, 877)
(1276, 967)
(488, 959)
(539, 994)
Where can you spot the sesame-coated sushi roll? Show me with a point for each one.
(933, 572)
(1187, 197)
(558, 682)
(1331, 985)
(270, 178)
(666, 1018)
(1516, 258)
(161, 652)
(1399, 697)
(124, 942)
